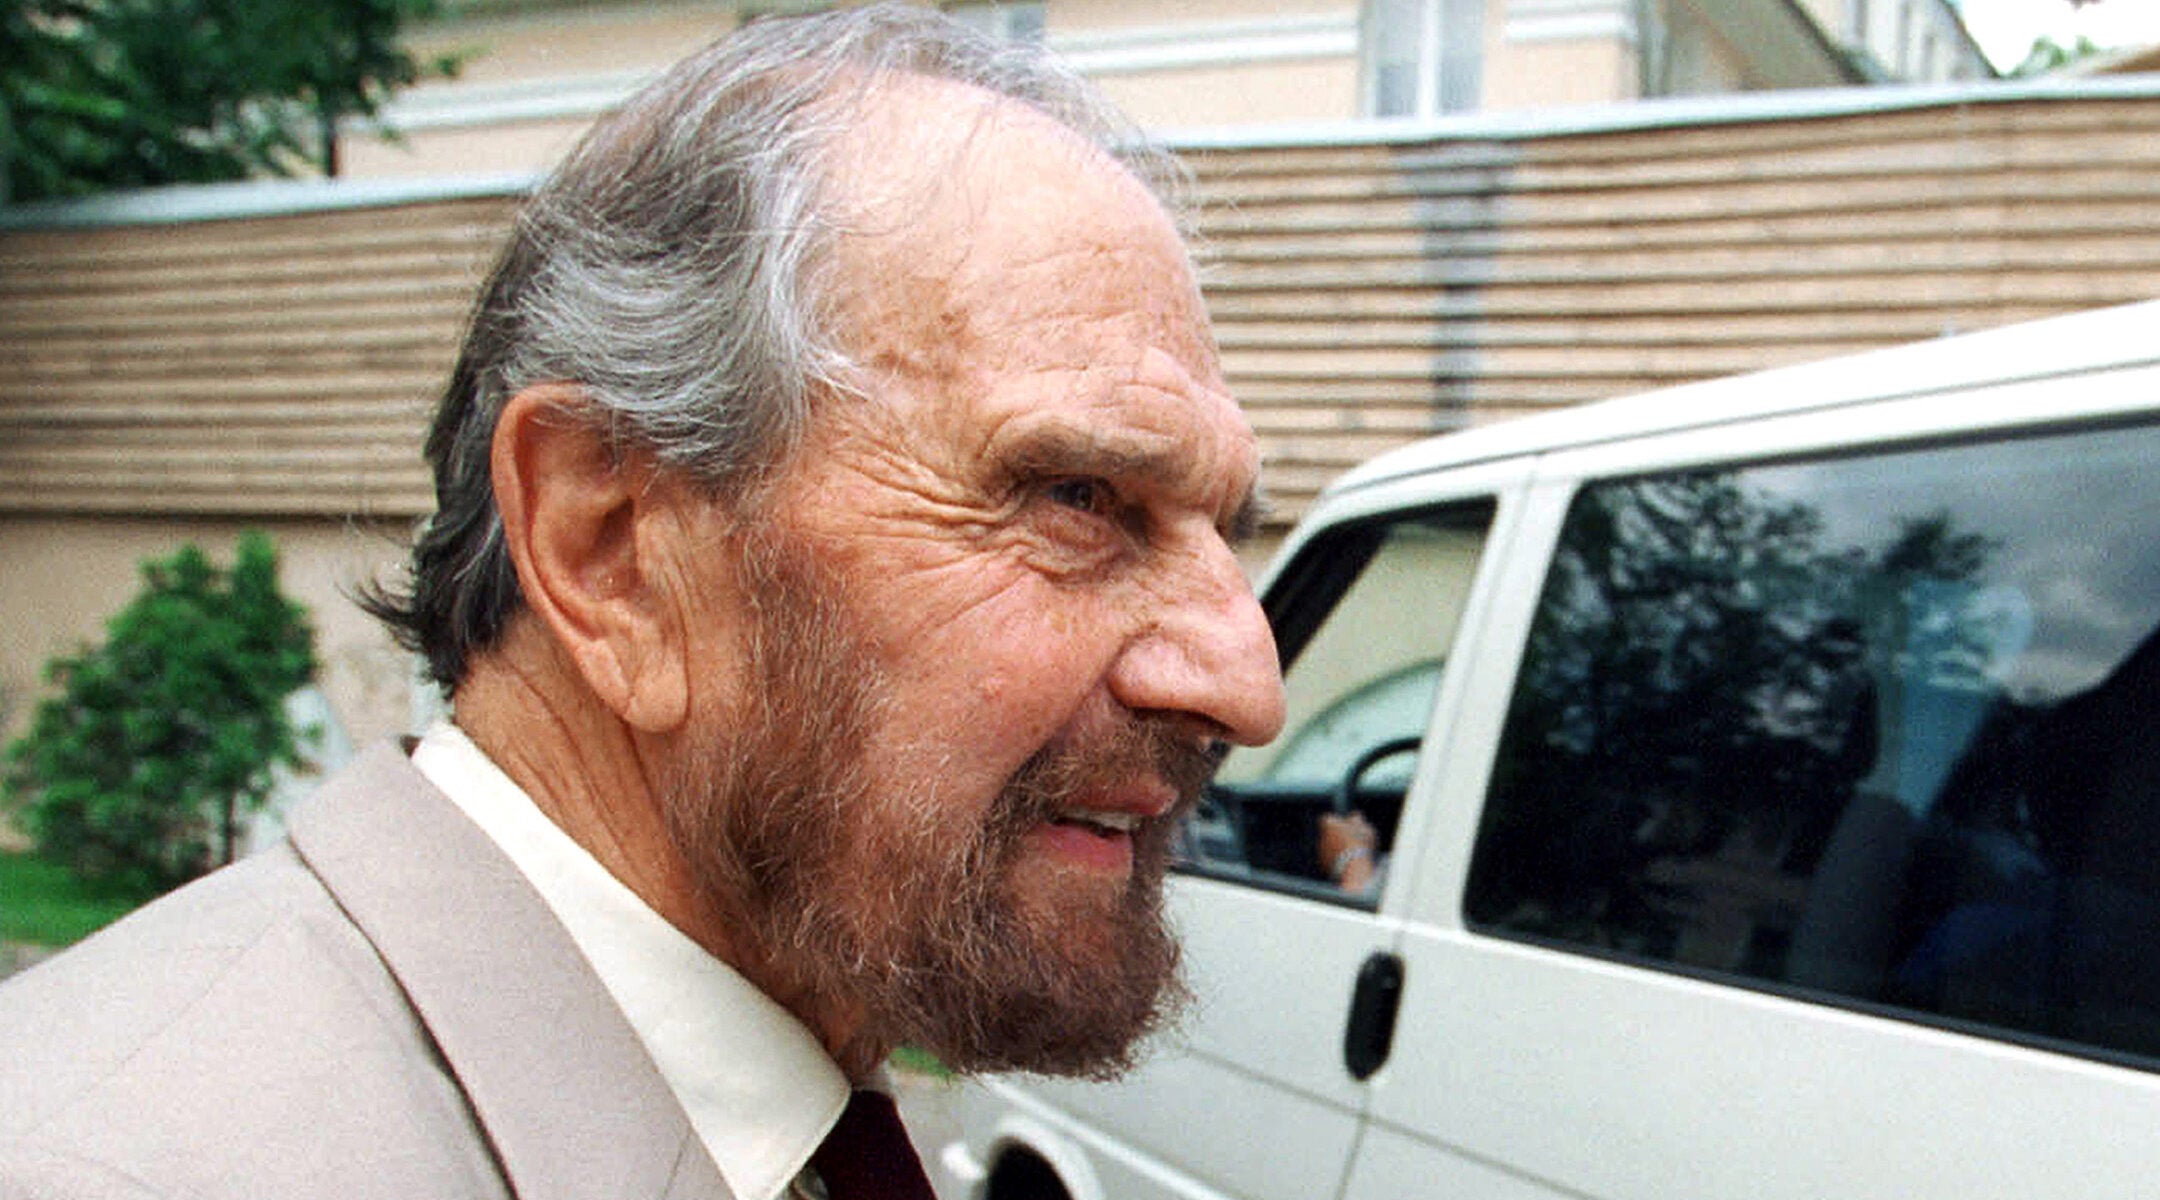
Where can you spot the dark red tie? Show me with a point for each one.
(867, 1156)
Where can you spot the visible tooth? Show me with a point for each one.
(1121, 822)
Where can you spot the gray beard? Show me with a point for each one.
(918, 927)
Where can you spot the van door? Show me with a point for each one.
(1817, 851)
(1259, 1097)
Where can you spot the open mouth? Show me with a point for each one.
(1102, 824)
(1094, 839)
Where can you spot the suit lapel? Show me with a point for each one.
(568, 1096)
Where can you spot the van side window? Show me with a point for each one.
(1363, 618)
(1875, 730)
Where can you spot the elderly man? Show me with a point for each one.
(833, 578)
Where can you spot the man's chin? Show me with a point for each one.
(1092, 971)
(1087, 904)
(1051, 1035)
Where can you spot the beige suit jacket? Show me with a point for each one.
(379, 1006)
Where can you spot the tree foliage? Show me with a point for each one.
(2047, 55)
(97, 95)
(1698, 666)
(138, 771)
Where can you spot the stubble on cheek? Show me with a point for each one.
(926, 914)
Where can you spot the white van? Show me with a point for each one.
(1767, 777)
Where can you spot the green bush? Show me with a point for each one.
(139, 771)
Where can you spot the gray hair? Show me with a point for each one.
(675, 269)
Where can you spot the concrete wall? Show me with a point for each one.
(62, 578)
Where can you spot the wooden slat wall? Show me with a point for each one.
(269, 366)
(1364, 295)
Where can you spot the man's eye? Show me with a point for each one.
(1086, 495)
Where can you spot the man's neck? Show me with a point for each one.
(597, 781)
(583, 770)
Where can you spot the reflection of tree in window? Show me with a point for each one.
(1877, 728)
(1700, 689)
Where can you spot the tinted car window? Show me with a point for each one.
(1875, 728)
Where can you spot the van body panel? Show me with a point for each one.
(1274, 1120)
(1917, 419)
(2081, 343)
(1394, 1166)
(1601, 1079)
(1446, 813)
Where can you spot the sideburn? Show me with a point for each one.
(757, 791)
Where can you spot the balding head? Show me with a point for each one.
(674, 270)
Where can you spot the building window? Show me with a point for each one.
(1020, 22)
(1422, 57)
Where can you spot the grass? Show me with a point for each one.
(922, 1062)
(45, 904)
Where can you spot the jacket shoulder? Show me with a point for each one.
(239, 1036)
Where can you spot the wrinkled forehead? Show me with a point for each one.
(1013, 295)
(953, 201)
(909, 141)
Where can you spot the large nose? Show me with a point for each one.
(1205, 650)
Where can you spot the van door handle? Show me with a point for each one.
(1372, 1014)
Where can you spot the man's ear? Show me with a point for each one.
(578, 518)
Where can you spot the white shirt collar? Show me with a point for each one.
(758, 1087)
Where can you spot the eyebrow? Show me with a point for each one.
(1057, 448)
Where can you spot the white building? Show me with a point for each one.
(537, 70)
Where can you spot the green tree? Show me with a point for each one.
(2047, 55)
(138, 771)
(97, 95)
